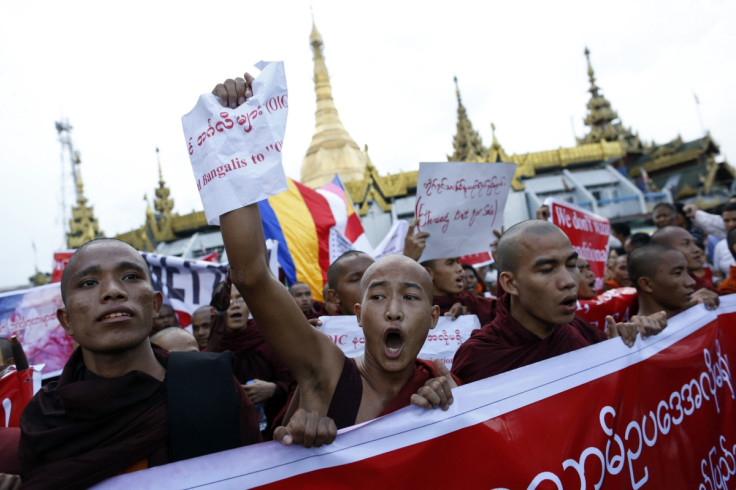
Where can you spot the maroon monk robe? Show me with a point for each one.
(480, 306)
(84, 429)
(505, 344)
(254, 359)
(349, 391)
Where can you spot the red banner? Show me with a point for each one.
(61, 258)
(588, 233)
(16, 390)
(658, 415)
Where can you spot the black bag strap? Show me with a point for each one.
(203, 404)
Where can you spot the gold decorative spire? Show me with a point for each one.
(332, 150)
(602, 119)
(83, 225)
(162, 203)
(467, 143)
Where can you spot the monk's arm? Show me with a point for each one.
(314, 360)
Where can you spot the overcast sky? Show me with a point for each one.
(124, 73)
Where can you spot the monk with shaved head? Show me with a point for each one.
(535, 317)
(393, 305)
(682, 240)
(659, 273)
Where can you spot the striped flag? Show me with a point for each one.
(300, 220)
(347, 220)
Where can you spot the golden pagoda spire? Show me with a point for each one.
(467, 143)
(601, 118)
(162, 203)
(332, 150)
(83, 225)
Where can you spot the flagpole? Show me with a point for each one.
(700, 116)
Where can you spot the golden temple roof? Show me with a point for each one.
(332, 150)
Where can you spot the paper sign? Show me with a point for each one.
(588, 233)
(236, 153)
(460, 204)
(442, 341)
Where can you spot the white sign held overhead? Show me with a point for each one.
(236, 153)
(460, 204)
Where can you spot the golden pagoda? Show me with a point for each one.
(332, 150)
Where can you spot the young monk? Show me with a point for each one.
(343, 280)
(660, 275)
(303, 297)
(682, 240)
(535, 318)
(202, 324)
(394, 310)
(109, 412)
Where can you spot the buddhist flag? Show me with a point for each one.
(347, 220)
(300, 220)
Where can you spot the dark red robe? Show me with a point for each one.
(254, 359)
(84, 429)
(480, 306)
(349, 391)
(504, 344)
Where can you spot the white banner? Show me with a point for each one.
(442, 341)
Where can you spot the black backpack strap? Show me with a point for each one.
(203, 404)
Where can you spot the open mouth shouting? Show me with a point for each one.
(569, 304)
(393, 341)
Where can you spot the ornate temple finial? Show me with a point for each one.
(162, 203)
(83, 225)
(331, 150)
(602, 119)
(591, 74)
(467, 144)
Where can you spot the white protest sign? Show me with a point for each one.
(442, 341)
(236, 153)
(460, 204)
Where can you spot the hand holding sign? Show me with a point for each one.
(234, 138)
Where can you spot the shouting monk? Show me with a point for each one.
(395, 312)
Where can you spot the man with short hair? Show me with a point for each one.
(535, 317)
(109, 413)
(660, 275)
(175, 339)
(682, 240)
(202, 325)
(620, 277)
(303, 297)
(165, 318)
(343, 280)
